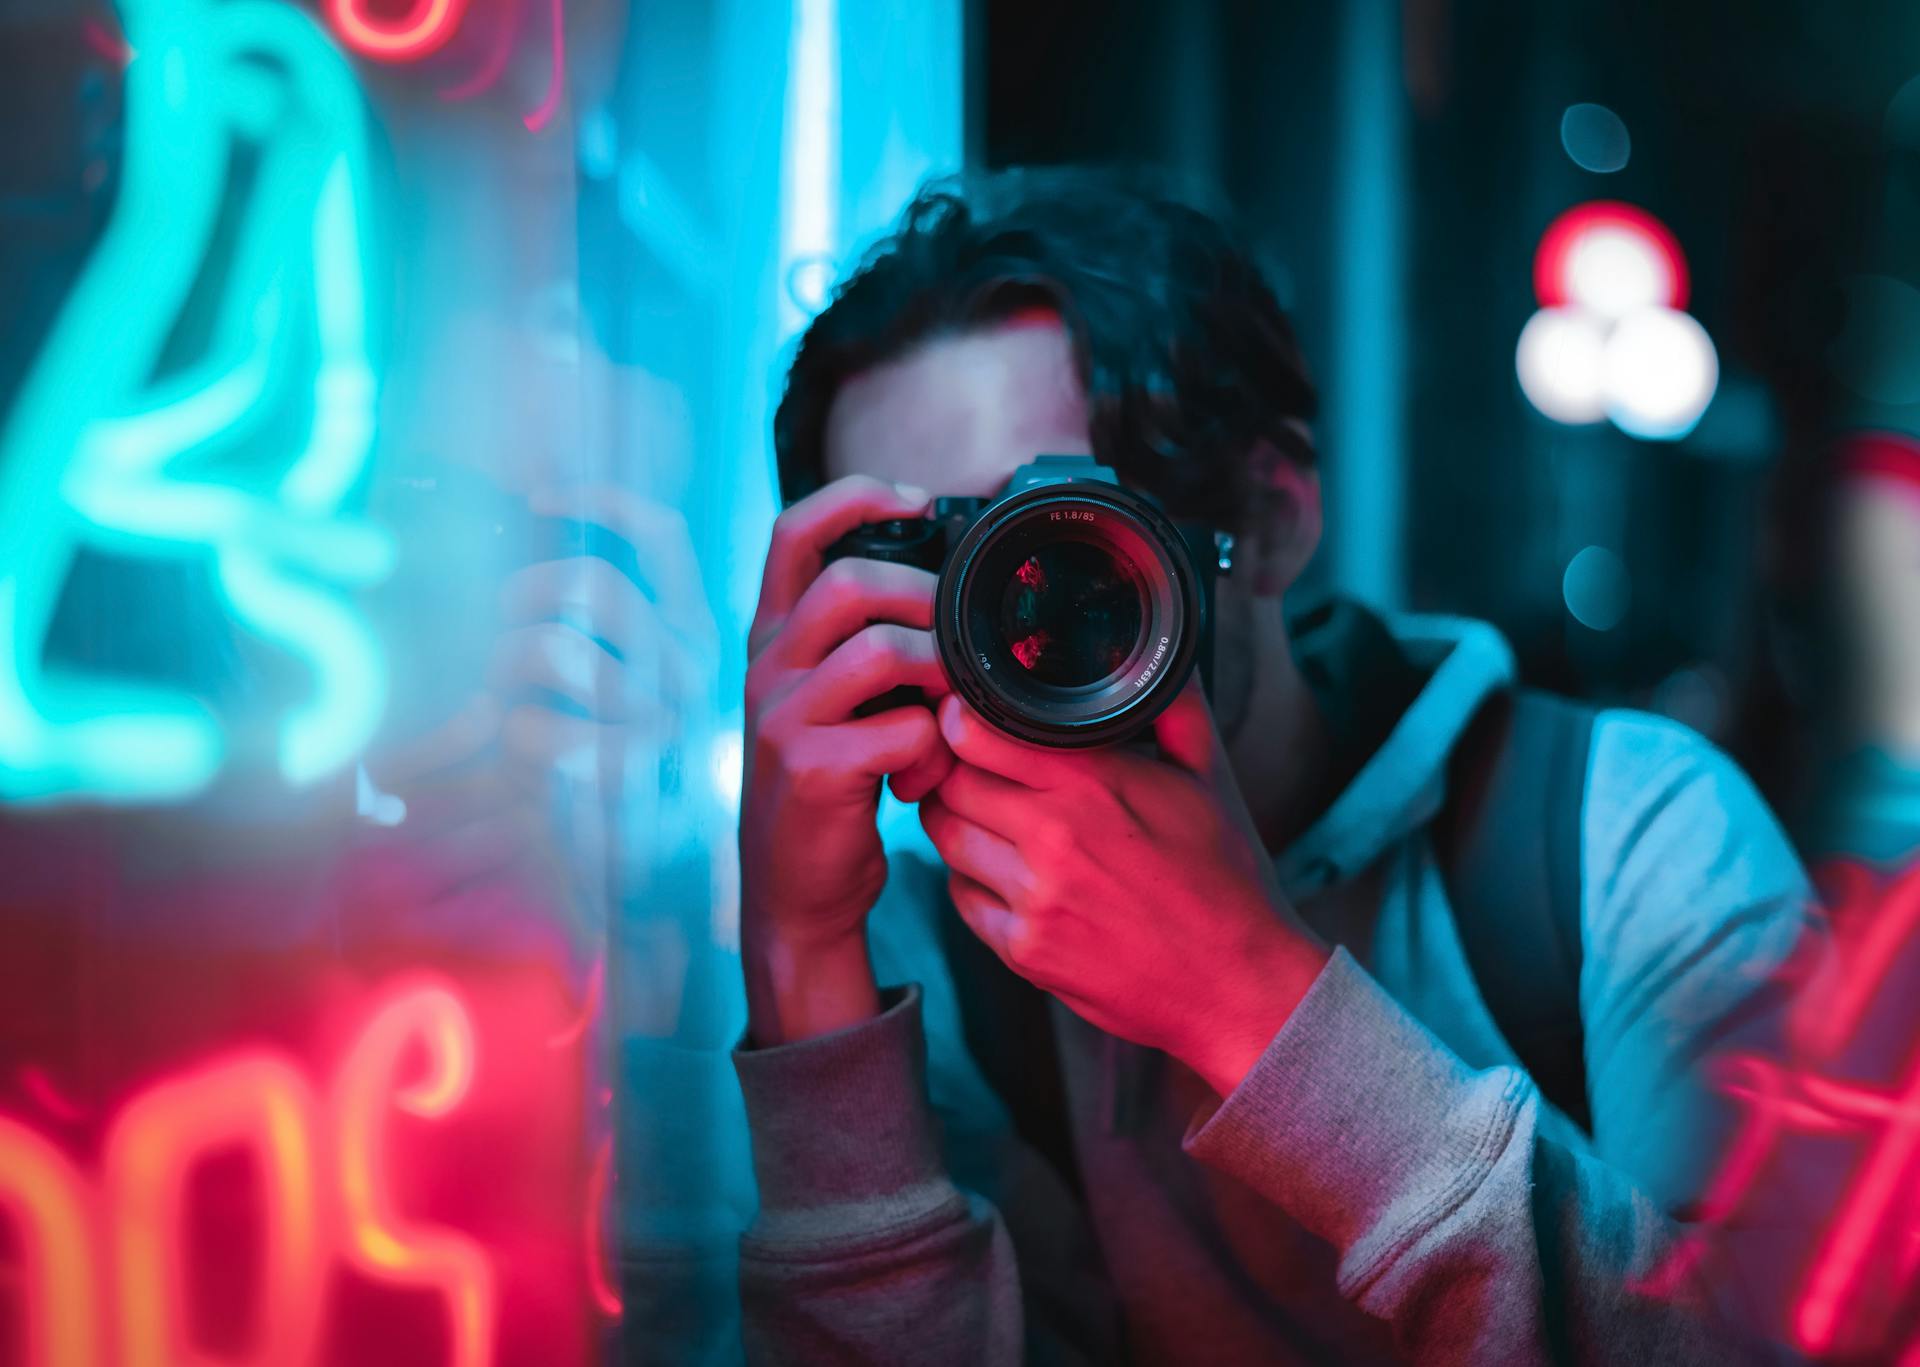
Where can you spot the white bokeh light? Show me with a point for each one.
(1560, 362)
(1614, 271)
(1660, 371)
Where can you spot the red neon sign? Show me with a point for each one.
(106, 1266)
(1868, 1252)
(256, 1100)
(43, 1195)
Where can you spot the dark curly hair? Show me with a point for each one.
(1187, 358)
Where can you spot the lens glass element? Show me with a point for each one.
(1071, 613)
(1067, 615)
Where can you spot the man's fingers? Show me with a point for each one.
(976, 742)
(996, 925)
(895, 741)
(542, 740)
(866, 665)
(989, 859)
(587, 593)
(926, 773)
(803, 532)
(663, 549)
(456, 741)
(986, 799)
(560, 660)
(848, 595)
(1185, 731)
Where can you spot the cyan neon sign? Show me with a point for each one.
(103, 452)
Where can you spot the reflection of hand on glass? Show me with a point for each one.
(601, 637)
(599, 657)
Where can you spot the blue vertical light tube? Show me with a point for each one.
(1366, 393)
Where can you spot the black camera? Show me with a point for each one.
(1070, 611)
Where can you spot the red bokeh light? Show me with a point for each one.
(1552, 284)
(421, 31)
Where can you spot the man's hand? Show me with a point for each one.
(825, 640)
(1131, 887)
(629, 662)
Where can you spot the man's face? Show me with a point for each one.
(958, 415)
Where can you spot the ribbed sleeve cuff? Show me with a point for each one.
(843, 1134)
(1356, 1119)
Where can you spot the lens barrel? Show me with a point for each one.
(1070, 614)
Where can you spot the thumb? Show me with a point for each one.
(1185, 731)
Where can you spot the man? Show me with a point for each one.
(1263, 1112)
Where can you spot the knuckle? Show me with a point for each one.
(840, 579)
(784, 530)
(958, 786)
(1052, 841)
(865, 648)
(1046, 889)
(790, 531)
(885, 643)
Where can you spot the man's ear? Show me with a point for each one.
(1283, 522)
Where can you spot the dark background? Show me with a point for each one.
(1760, 135)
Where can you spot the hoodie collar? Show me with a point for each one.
(1398, 691)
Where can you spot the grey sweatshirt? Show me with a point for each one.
(1386, 1184)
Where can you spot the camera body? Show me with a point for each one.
(1070, 610)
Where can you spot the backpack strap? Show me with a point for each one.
(1509, 848)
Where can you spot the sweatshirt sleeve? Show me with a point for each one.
(1479, 1238)
(864, 1250)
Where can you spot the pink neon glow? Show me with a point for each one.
(557, 71)
(36, 1084)
(505, 35)
(257, 1100)
(421, 32)
(341, 1184)
(1872, 928)
(599, 1275)
(1829, 1013)
(45, 1200)
(379, 1239)
(1875, 1195)
(589, 1008)
(1563, 235)
(1887, 461)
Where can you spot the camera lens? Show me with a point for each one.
(1071, 613)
